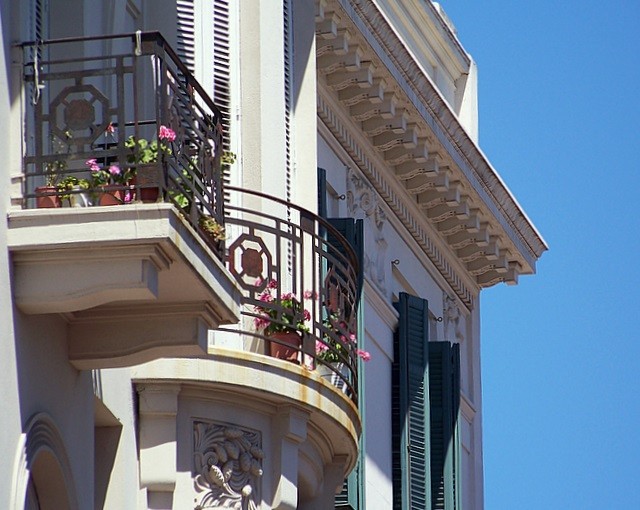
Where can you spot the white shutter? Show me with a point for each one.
(186, 44)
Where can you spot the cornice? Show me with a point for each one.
(395, 201)
(423, 95)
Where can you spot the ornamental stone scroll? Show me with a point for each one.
(362, 201)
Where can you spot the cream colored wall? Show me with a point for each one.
(10, 422)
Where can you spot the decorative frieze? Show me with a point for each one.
(227, 466)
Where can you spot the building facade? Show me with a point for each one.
(243, 256)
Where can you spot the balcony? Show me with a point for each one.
(120, 179)
(292, 396)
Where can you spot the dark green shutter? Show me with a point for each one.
(353, 232)
(322, 192)
(352, 495)
(426, 389)
(444, 396)
(410, 410)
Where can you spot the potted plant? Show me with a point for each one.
(336, 346)
(146, 154)
(47, 195)
(283, 318)
(111, 184)
(73, 190)
(213, 231)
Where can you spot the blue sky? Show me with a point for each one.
(559, 87)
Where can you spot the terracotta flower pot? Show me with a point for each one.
(47, 197)
(146, 194)
(288, 349)
(112, 194)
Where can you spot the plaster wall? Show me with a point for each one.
(10, 422)
(48, 384)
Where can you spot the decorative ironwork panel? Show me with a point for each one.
(300, 289)
(123, 113)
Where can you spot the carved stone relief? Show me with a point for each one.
(227, 465)
(453, 320)
(362, 202)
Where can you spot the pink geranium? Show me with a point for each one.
(167, 134)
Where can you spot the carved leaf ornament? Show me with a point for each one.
(228, 466)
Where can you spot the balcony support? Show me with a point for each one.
(135, 283)
(110, 337)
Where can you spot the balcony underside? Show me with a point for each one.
(134, 282)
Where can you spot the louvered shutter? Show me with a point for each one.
(410, 409)
(353, 231)
(444, 396)
(351, 496)
(287, 35)
(322, 192)
(186, 41)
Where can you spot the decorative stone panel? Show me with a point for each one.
(227, 466)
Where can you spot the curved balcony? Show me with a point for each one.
(299, 278)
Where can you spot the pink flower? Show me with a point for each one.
(321, 347)
(114, 170)
(261, 322)
(266, 297)
(273, 284)
(363, 354)
(310, 294)
(306, 314)
(93, 165)
(110, 129)
(167, 134)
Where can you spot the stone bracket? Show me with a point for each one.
(118, 336)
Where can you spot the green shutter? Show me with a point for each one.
(353, 231)
(410, 410)
(444, 396)
(351, 495)
(322, 192)
(426, 399)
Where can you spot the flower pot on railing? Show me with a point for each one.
(73, 192)
(336, 374)
(286, 346)
(47, 197)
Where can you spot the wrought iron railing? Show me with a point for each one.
(300, 285)
(118, 119)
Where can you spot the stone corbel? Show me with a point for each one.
(366, 110)
(158, 407)
(355, 94)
